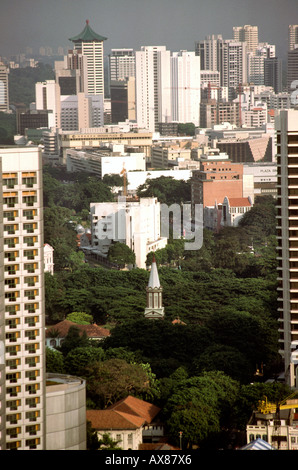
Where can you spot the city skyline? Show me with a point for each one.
(41, 23)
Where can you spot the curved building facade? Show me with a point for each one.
(66, 412)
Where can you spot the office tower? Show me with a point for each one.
(273, 73)
(292, 72)
(293, 37)
(186, 93)
(4, 97)
(248, 34)
(123, 100)
(122, 64)
(153, 87)
(23, 298)
(90, 45)
(209, 52)
(287, 235)
(47, 98)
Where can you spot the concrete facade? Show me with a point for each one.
(23, 298)
(66, 413)
(137, 224)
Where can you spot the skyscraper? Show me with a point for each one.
(287, 235)
(186, 89)
(24, 403)
(90, 45)
(153, 87)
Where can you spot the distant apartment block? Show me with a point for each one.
(248, 34)
(292, 36)
(122, 64)
(4, 94)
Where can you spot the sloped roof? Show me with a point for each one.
(136, 407)
(92, 330)
(258, 444)
(87, 35)
(112, 419)
(154, 278)
(239, 202)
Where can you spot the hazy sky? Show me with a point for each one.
(177, 24)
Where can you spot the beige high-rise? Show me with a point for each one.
(22, 314)
(287, 236)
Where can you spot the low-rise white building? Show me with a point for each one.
(106, 161)
(135, 223)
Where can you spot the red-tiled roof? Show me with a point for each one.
(239, 202)
(92, 330)
(111, 419)
(137, 407)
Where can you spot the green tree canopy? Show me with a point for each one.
(121, 254)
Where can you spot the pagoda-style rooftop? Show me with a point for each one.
(87, 35)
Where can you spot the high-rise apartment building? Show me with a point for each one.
(23, 321)
(248, 34)
(209, 52)
(227, 56)
(122, 64)
(90, 45)
(186, 87)
(233, 66)
(287, 235)
(4, 97)
(293, 36)
(153, 87)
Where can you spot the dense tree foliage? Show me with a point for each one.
(121, 254)
(199, 370)
(8, 128)
(166, 189)
(22, 82)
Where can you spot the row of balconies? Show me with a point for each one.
(15, 216)
(18, 257)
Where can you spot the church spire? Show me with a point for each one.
(154, 309)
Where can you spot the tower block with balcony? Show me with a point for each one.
(154, 309)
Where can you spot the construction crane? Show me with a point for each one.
(123, 172)
(266, 407)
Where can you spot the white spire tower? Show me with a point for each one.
(154, 309)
